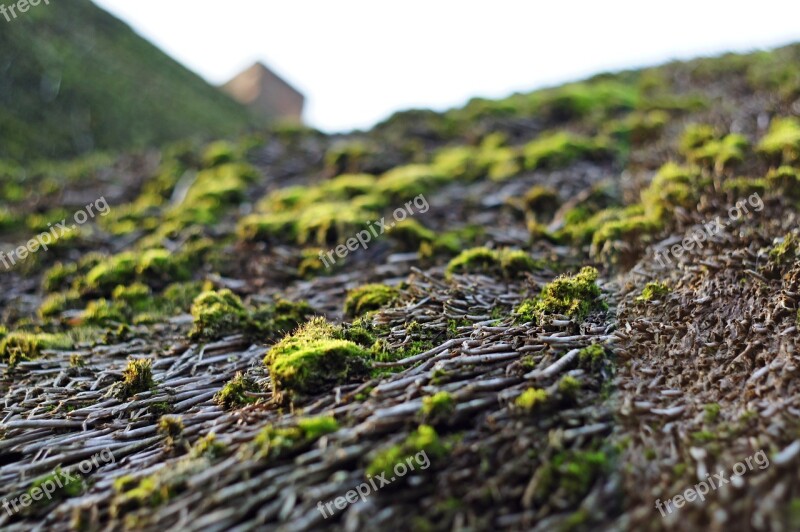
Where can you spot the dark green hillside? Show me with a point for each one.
(73, 79)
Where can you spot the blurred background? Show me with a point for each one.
(358, 61)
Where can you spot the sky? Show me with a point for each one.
(359, 61)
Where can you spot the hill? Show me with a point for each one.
(571, 309)
(75, 79)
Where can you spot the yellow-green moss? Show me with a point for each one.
(531, 399)
(557, 150)
(102, 312)
(542, 201)
(405, 182)
(701, 145)
(439, 405)
(781, 144)
(654, 290)
(137, 377)
(505, 262)
(232, 395)
(312, 359)
(111, 272)
(18, 346)
(424, 439)
(66, 485)
(572, 296)
(217, 314)
(273, 442)
(369, 297)
(55, 304)
(591, 357)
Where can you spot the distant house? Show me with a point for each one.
(265, 93)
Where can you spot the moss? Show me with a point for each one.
(274, 442)
(347, 156)
(574, 472)
(572, 296)
(217, 314)
(654, 290)
(438, 406)
(638, 127)
(410, 234)
(312, 359)
(628, 229)
(65, 485)
(102, 312)
(701, 144)
(557, 150)
(347, 186)
(531, 399)
(711, 412)
(55, 304)
(19, 346)
(160, 266)
(745, 186)
(569, 386)
(171, 427)
(218, 153)
(327, 223)
(592, 357)
(179, 296)
(784, 252)
(137, 377)
(111, 272)
(315, 427)
(542, 201)
(673, 186)
(232, 395)
(505, 262)
(424, 439)
(277, 319)
(786, 179)
(369, 297)
(406, 182)
(781, 144)
(207, 447)
(58, 276)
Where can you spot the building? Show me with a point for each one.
(265, 93)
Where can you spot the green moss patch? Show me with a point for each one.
(369, 297)
(314, 358)
(504, 262)
(654, 290)
(19, 346)
(781, 144)
(275, 442)
(424, 439)
(571, 296)
(137, 377)
(232, 395)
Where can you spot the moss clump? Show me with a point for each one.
(102, 312)
(711, 412)
(207, 447)
(232, 395)
(217, 313)
(66, 486)
(569, 387)
(424, 439)
(700, 144)
(571, 474)
(405, 182)
(218, 153)
(571, 296)
(137, 377)
(439, 405)
(531, 399)
(160, 266)
(591, 357)
(541, 201)
(19, 346)
(781, 144)
(313, 358)
(654, 290)
(368, 298)
(505, 262)
(58, 276)
(276, 319)
(410, 234)
(785, 252)
(179, 296)
(560, 149)
(786, 179)
(171, 427)
(55, 304)
(274, 442)
(113, 271)
(746, 186)
(673, 186)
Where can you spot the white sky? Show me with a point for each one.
(358, 61)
